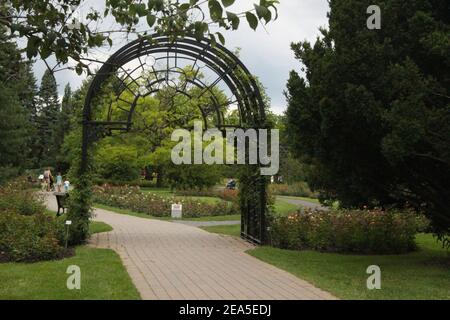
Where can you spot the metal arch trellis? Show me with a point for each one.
(226, 67)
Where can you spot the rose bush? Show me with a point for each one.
(132, 198)
(17, 197)
(225, 194)
(356, 231)
(30, 238)
(27, 234)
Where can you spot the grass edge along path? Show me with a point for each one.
(232, 230)
(424, 274)
(103, 276)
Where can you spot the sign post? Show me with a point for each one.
(177, 211)
(68, 223)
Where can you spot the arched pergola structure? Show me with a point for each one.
(145, 66)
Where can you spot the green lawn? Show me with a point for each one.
(312, 200)
(235, 217)
(208, 200)
(94, 226)
(233, 230)
(99, 227)
(103, 277)
(163, 192)
(424, 274)
(283, 208)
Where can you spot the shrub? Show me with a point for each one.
(297, 189)
(228, 195)
(30, 238)
(197, 193)
(117, 162)
(132, 198)
(225, 194)
(16, 197)
(26, 234)
(365, 232)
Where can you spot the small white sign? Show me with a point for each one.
(68, 222)
(177, 211)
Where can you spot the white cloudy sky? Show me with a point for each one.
(266, 52)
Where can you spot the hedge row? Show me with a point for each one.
(357, 231)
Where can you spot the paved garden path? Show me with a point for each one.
(174, 261)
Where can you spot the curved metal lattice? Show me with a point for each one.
(175, 72)
(161, 60)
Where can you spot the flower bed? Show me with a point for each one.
(365, 232)
(226, 194)
(26, 233)
(132, 198)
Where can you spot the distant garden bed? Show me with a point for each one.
(134, 199)
(297, 189)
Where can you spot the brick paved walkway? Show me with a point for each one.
(174, 261)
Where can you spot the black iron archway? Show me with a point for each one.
(145, 66)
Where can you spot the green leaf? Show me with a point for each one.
(261, 11)
(157, 5)
(185, 7)
(141, 10)
(33, 46)
(51, 37)
(271, 4)
(193, 2)
(252, 20)
(151, 19)
(79, 69)
(200, 28)
(215, 10)
(221, 38)
(228, 3)
(234, 19)
(45, 52)
(213, 40)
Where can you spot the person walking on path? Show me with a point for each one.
(59, 182)
(66, 186)
(47, 178)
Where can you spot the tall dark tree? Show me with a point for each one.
(13, 132)
(16, 104)
(62, 128)
(48, 114)
(372, 113)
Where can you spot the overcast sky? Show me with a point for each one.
(265, 52)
